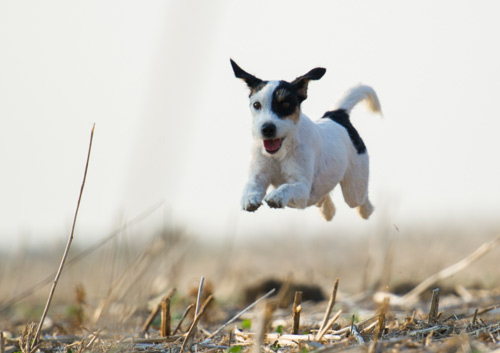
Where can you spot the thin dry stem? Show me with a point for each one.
(165, 318)
(331, 303)
(155, 311)
(412, 296)
(198, 298)
(265, 312)
(321, 333)
(66, 250)
(188, 339)
(355, 332)
(381, 319)
(474, 318)
(234, 318)
(197, 314)
(433, 312)
(485, 310)
(186, 312)
(296, 312)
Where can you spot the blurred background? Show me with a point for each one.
(172, 137)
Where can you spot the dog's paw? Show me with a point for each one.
(251, 207)
(250, 204)
(274, 203)
(275, 200)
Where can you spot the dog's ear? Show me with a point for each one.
(302, 82)
(252, 81)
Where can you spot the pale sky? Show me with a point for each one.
(173, 125)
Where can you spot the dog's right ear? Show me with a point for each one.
(252, 81)
(303, 81)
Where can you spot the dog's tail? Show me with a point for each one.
(356, 95)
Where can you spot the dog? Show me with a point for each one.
(304, 160)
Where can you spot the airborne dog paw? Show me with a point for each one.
(250, 203)
(275, 200)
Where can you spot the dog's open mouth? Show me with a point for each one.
(273, 145)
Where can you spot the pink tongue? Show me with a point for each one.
(272, 145)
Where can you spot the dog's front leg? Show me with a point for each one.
(259, 179)
(253, 193)
(292, 194)
(258, 182)
(296, 189)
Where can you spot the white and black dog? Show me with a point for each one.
(304, 160)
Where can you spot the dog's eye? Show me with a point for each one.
(257, 105)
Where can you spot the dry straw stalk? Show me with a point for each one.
(66, 250)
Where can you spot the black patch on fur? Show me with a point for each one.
(285, 100)
(302, 82)
(341, 117)
(254, 83)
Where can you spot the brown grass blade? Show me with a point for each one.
(66, 250)
(412, 296)
(331, 303)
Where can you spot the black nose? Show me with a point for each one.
(268, 130)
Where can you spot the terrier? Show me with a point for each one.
(304, 160)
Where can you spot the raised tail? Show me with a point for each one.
(356, 95)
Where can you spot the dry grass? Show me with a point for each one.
(104, 299)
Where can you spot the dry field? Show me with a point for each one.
(108, 290)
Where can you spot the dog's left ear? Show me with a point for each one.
(252, 81)
(302, 82)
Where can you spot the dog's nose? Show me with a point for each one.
(268, 130)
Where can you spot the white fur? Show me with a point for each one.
(313, 159)
(357, 94)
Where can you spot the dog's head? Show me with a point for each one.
(275, 106)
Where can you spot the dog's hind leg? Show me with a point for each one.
(326, 207)
(366, 209)
(355, 186)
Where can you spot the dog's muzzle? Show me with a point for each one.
(271, 143)
(268, 130)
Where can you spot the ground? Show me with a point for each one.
(108, 290)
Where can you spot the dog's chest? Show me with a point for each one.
(283, 172)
